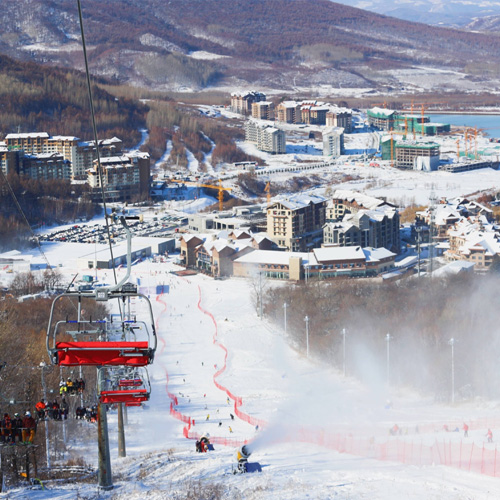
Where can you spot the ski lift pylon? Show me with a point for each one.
(103, 343)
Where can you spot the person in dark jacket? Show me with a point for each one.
(29, 428)
(6, 425)
(17, 427)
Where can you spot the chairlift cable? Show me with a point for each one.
(94, 128)
(16, 202)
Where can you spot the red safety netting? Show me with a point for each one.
(237, 400)
(103, 353)
(481, 459)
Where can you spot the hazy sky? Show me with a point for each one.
(452, 12)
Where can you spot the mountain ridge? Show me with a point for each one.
(154, 44)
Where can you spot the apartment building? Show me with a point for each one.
(340, 117)
(241, 102)
(9, 160)
(125, 178)
(367, 228)
(417, 155)
(45, 166)
(381, 118)
(32, 143)
(356, 219)
(263, 110)
(265, 137)
(296, 223)
(333, 142)
(288, 112)
(314, 114)
(80, 154)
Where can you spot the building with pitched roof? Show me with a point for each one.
(241, 102)
(296, 223)
(354, 219)
(80, 154)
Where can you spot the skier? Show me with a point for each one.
(230, 430)
(6, 425)
(204, 443)
(64, 408)
(17, 426)
(29, 428)
(40, 409)
(466, 430)
(489, 435)
(62, 388)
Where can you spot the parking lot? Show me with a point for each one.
(96, 233)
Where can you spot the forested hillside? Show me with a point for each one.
(40, 98)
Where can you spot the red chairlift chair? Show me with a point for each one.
(124, 396)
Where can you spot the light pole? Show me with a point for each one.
(306, 319)
(418, 229)
(260, 294)
(43, 365)
(452, 343)
(343, 348)
(388, 340)
(285, 305)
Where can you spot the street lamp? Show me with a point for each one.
(452, 343)
(306, 319)
(285, 305)
(388, 338)
(418, 230)
(260, 294)
(343, 348)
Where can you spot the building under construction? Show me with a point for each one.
(381, 118)
(416, 155)
(464, 165)
(387, 119)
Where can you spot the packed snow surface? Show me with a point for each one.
(278, 385)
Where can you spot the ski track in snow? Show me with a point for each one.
(207, 160)
(165, 156)
(193, 164)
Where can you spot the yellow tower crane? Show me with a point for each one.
(267, 189)
(220, 188)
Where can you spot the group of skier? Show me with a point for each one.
(86, 413)
(54, 410)
(71, 387)
(17, 429)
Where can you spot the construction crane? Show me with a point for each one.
(423, 106)
(267, 190)
(220, 188)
